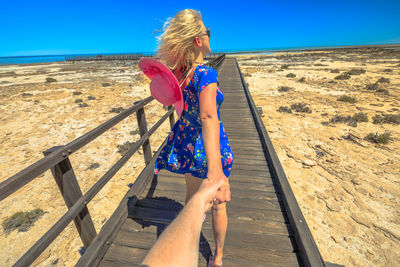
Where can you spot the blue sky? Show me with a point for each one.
(74, 27)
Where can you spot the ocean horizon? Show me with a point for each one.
(29, 59)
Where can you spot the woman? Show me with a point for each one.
(197, 145)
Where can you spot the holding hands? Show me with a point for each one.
(218, 188)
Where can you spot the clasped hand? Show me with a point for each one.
(224, 192)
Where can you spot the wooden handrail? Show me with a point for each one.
(54, 231)
(57, 158)
(23, 177)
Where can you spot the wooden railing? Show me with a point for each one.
(56, 159)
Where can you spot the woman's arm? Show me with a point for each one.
(210, 127)
(211, 134)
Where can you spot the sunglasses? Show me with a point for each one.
(208, 32)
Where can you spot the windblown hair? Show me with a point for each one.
(176, 47)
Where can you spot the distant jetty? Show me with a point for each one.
(130, 57)
(125, 57)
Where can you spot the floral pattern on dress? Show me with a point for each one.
(184, 151)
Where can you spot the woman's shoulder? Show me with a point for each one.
(204, 70)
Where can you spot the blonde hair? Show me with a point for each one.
(176, 47)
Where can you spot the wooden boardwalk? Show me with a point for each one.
(259, 233)
(266, 226)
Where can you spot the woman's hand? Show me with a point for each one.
(224, 193)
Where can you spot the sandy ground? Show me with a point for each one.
(37, 115)
(347, 187)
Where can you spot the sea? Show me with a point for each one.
(58, 58)
(47, 58)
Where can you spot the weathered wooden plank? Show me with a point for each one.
(235, 262)
(247, 225)
(251, 180)
(127, 255)
(68, 185)
(248, 202)
(245, 143)
(243, 224)
(258, 173)
(248, 140)
(143, 240)
(168, 184)
(241, 118)
(249, 167)
(250, 161)
(256, 214)
(237, 177)
(241, 253)
(237, 128)
(255, 195)
(159, 204)
(138, 226)
(180, 195)
(153, 215)
(249, 241)
(242, 134)
(265, 186)
(243, 148)
(257, 159)
(247, 152)
(107, 263)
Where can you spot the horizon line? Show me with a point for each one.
(257, 50)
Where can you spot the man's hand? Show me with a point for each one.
(208, 191)
(224, 193)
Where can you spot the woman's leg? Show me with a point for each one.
(219, 216)
(220, 224)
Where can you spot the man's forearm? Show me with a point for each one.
(178, 245)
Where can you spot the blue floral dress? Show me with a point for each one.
(184, 151)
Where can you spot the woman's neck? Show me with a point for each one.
(198, 57)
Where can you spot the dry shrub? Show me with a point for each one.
(21, 221)
(346, 98)
(343, 76)
(300, 107)
(350, 120)
(378, 138)
(284, 109)
(50, 80)
(386, 118)
(284, 89)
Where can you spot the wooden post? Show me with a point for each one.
(171, 118)
(142, 125)
(71, 192)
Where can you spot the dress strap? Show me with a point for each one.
(183, 80)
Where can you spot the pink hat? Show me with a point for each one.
(164, 86)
